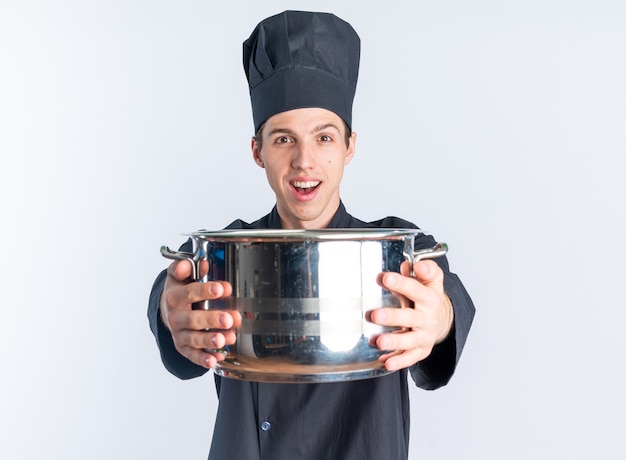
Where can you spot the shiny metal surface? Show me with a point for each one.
(304, 297)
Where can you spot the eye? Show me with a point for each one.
(325, 138)
(283, 140)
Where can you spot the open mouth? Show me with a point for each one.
(305, 187)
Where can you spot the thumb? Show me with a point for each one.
(428, 272)
(182, 269)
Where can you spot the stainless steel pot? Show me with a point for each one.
(304, 296)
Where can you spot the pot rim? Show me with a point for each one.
(278, 235)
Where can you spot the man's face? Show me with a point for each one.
(304, 153)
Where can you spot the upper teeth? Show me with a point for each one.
(307, 184)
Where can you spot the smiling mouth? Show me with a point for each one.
(305, 187)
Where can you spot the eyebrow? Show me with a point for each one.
(317, 129)
(280, 131)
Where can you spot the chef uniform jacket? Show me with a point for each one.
(353, 420)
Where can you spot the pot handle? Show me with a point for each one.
(437, 250)
(193, 258)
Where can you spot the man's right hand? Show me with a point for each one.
(198, 334)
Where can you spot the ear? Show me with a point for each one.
(351, 149)
(256, 153)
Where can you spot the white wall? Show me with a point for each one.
(499, 126)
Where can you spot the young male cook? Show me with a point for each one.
(302, 71)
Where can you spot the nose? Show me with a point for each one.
(304, 156)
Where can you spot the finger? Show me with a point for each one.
(407, 287)
(200, 320)
(399, 283)
(179, 269)
(386, 356)
(182, 270)
(405, 349)
(184, 296)
(419, 318)
(202, 357)
(406, 340)
(397, 361)
(205, 340)
(412, 288)
(204, 347)
(428, 272)
(395, 317)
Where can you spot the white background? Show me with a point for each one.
(499, 126)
